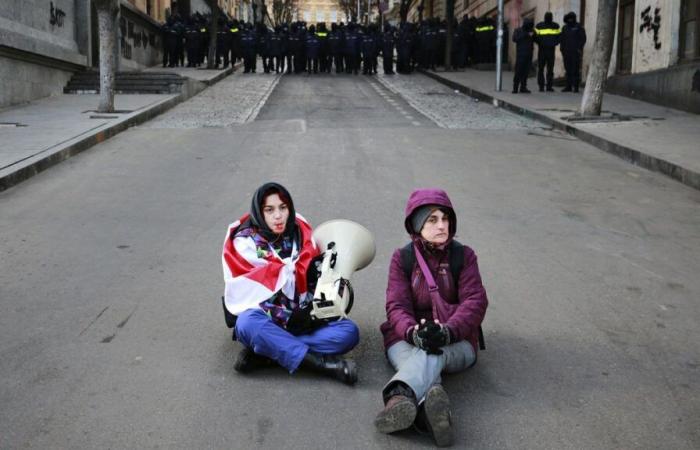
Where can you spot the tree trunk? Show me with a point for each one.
(449, 16)
(403, 10)
(107, 12)
(592, 101)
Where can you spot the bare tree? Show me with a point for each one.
(403, 10)
(213, 30)
(349, 7)
(107, 14)
(592, 100)
(283, 11)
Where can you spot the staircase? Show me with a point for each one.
(88, 82)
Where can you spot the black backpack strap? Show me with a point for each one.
(408, 259)
(456, 259)
(482, 343)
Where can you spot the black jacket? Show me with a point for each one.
(573, 35)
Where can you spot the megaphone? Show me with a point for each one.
(348, 247)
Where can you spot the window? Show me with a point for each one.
(625, 36)
(689, 48)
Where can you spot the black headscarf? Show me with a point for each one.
(257, 218)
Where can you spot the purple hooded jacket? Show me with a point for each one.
(408, 300)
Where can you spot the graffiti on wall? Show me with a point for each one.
(57, 15)
(651, 24)
(123, 37)
(131, 37)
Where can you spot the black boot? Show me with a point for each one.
(247, 361)
(333, 366)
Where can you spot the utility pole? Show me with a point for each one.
(499, 48)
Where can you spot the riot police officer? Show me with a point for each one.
(547, 38)
(573, 39)
(388, 43)
(523, 38)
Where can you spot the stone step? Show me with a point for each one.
(128, 82)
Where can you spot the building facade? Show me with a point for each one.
(656, 54)
(43, 43)
(317, 11)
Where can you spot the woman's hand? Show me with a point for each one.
(435, 334)
(430, 336)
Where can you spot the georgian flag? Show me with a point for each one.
(251, 278)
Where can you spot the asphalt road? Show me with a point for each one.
(112, 335)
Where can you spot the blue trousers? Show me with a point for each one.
(257, 331)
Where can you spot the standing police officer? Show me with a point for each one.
(547, 38)
(335, 47)
(523, 38)
(388, 43)
(573, 38)
(351, 49)
(485, 40)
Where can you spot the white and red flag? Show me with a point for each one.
(252, 275)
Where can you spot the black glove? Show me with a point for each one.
(313, 272)
(435, 335)
(302, 322)
(417, 337)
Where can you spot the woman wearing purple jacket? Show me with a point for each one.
(426, 334)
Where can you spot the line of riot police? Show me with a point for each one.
(345, 48)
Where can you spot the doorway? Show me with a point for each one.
(625, 36)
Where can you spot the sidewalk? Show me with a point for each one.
(657, 138)
(40, 134)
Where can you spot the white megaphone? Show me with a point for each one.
(348, 247)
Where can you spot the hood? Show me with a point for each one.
(421, 197)
(570, 17)
(257, 219)
(528, 25)
(548, 17)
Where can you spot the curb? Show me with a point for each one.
(83, 142)
(686, 176)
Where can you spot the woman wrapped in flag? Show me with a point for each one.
(269, 271)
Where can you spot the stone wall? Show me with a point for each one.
(140, 41)
(42, 42)
(677, 87)
(23, 81)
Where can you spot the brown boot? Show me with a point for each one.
(398, 414)
(437, 415)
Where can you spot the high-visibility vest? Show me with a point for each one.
(234, 30)
(547, 31)
(321, 34)
(203, 30)
(486, 28)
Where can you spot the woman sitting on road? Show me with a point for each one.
(269, 270)
(429, 331)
